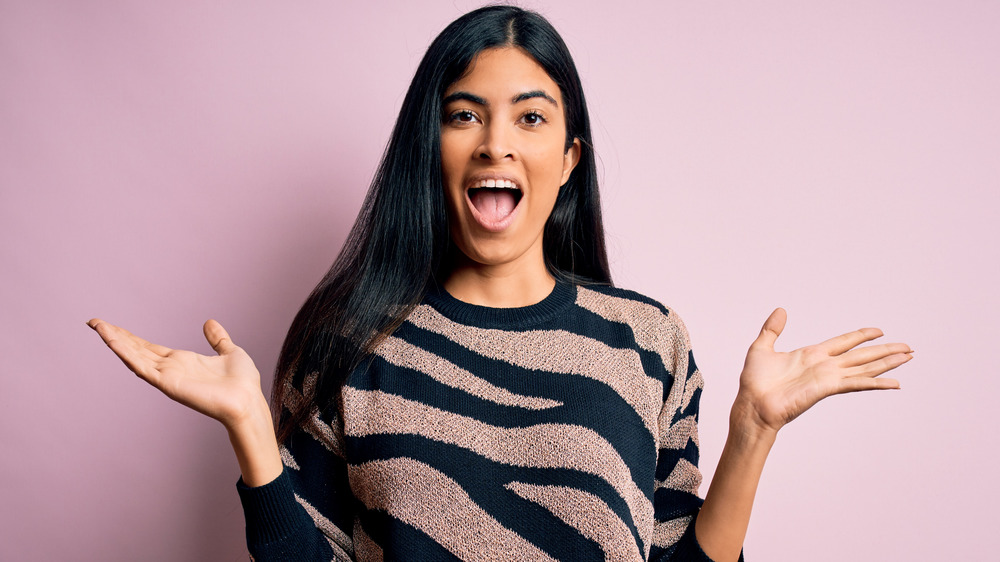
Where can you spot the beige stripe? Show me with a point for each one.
(677, 435)
(684, 477)
(404, 354)
(588, 514)
(287, 459)
(342, 545)
(427, 499)
(543, 445)
(557, 351)
(365, 548)
(338, 554)
(669, 532)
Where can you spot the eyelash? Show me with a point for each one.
(455, 117)
(532, 113)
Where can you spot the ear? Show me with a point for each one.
(570, 160)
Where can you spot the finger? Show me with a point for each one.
(109, 331)
(861, 384)
(773, 327)
(850, 340)
(863, 355)
(138, 358)
(879, 366)
(218, 338)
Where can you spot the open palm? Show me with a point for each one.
(779, 386)
(225, 386)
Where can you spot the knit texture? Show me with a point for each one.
(565, 430)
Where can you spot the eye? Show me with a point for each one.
(463, 116)
(533, 118)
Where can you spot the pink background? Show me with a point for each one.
(167, 163)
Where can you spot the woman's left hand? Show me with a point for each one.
(776, 387)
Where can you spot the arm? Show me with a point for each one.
(307, 513)
(775, 388)
(675, 500)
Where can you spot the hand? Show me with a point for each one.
(225, 387)
(776, 387)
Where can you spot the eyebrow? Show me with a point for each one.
(461, 95)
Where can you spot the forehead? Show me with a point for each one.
(504, 72)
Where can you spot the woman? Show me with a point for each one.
(465, 381)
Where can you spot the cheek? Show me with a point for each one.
(454, 201)
(548, 167)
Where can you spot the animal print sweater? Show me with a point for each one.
(565, 430)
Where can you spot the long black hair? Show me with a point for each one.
(399, 245)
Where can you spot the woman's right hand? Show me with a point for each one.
(225, 387)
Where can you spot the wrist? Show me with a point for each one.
(252, 419)
(746, 423)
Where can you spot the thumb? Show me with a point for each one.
(218, 337)
(773, 326)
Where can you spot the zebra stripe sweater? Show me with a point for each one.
(565, 430)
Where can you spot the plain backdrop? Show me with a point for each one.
(164, 163)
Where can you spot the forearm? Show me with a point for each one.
(722, 522)
(255, 445)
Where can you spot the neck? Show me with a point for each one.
(500, 286)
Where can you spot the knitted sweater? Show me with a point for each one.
(565, 430)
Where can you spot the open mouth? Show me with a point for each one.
(494, 201)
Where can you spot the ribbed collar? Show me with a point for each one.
(562, 296)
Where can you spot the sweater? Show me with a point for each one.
(564, 430)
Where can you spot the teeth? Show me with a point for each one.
(506, 184)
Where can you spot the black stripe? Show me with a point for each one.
(401, 541)
(671, 504)
(324, 472)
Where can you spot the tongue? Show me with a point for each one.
(493, 204)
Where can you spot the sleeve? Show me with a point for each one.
(307, 513)
(675, 498)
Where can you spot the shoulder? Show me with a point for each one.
(632, 308)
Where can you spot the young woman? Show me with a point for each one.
(465, 382)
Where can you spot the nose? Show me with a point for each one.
(497, 143)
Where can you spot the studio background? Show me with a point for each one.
(165, 163)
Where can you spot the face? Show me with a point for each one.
(503, 158)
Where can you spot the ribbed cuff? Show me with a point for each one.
(271, 511)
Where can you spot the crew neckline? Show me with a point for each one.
(561, 297)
